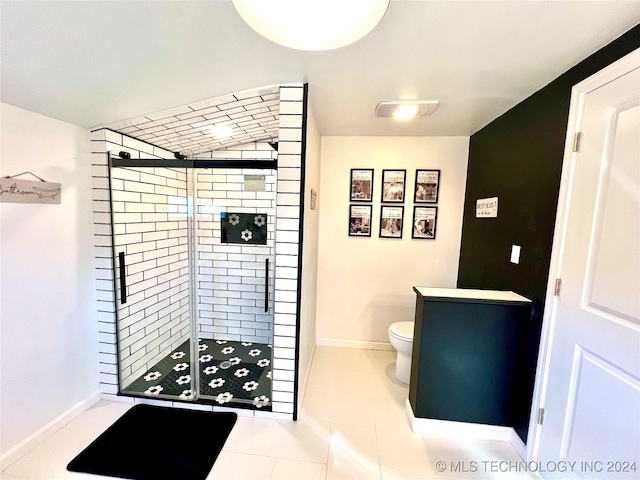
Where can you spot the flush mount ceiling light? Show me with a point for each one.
(312, 24)
(405, 109)
(220, 131)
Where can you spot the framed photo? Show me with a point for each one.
(360, 220)
(361, 185)
(424, 222)
(393, 185)
(391, 221)
(426, 189)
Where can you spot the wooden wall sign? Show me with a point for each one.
(13, 190)
(487, 207)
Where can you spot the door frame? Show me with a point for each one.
(579, 91)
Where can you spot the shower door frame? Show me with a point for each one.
(191, 166)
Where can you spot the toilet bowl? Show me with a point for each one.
(401, 337)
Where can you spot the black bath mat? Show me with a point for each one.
(150, 442)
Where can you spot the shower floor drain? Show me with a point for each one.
(224, 365)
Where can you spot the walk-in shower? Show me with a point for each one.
(194, 257)
(189, 275)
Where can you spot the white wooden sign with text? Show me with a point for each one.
(487, 207)
(13, 190)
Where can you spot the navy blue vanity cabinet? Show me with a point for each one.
(467, 349)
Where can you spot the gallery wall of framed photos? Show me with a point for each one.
(366, 282)
(393, 191)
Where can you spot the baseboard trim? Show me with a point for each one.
(363, 344)
(465, 430)
(36, 438)
(518, 444)
(117, 398)
(303, 387)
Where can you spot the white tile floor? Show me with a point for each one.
(352, 426)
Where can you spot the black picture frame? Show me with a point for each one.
(424, 223)
(360, 220)
(427, 186)
(361, 185)
(393, 186)
(391, 221)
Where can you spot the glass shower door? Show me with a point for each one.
(235, 249)
(194, 252)
(150, 220)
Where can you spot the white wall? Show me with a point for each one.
(365, 284)
(309, 252)
(47, 287)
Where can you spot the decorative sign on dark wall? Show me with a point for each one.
(13, 190)
(487, 207)
(243, 228)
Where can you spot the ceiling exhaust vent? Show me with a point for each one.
(404, 109)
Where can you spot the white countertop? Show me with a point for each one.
(471, 294)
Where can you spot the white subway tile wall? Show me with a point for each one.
(288, 226)
(287, 219)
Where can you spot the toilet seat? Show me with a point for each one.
(402, 331)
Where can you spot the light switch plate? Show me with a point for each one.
(515, 254)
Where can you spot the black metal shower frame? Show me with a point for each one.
(193, 163)
(116, 160)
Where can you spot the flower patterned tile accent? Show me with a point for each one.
(217, 382)
(152, 376)
(261, 401)
(243, 228)
(250, 386)
(243, 380)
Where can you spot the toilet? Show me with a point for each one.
(401, 337)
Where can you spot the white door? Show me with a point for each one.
(590, 390)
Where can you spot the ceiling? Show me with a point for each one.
(97, 63)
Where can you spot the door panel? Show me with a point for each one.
(235, 211)
(151, 248)
(586, 423)
(614, 278)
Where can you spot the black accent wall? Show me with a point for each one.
(518, 158)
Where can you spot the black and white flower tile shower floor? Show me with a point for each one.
(231, 374)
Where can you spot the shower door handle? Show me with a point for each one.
(123, 279)
(266, 285)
